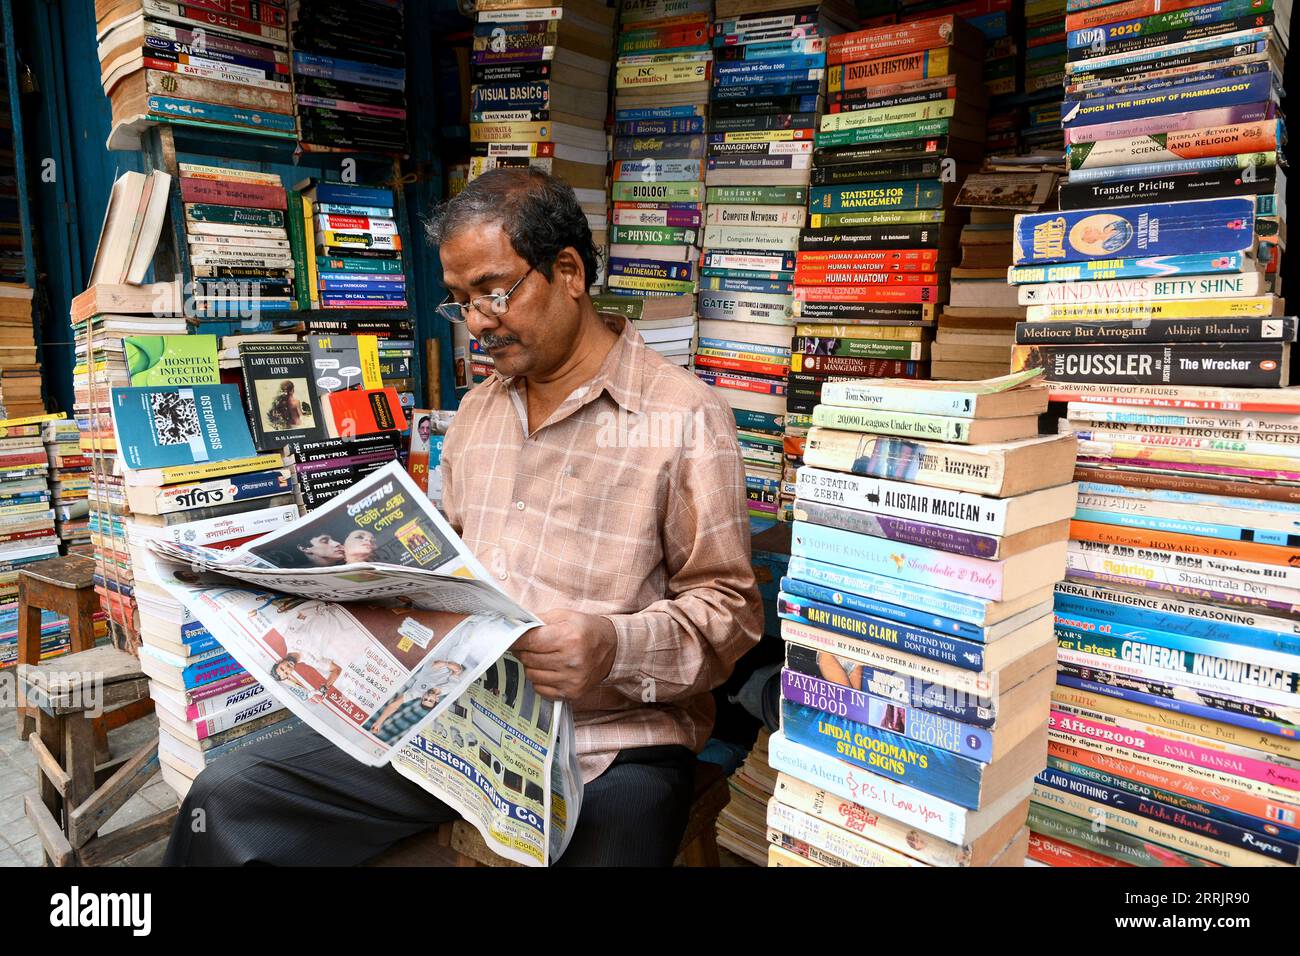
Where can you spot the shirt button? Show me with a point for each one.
(519, 505)
(502, 575)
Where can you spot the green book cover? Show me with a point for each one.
(882, 134)
(298, 249)
(759, 195)
(171, 360)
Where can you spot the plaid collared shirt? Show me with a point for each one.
(629, 501)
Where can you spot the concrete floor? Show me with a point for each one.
(19, 845)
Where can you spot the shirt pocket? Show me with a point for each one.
(605, 525)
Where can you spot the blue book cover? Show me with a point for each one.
(886, 713)
(657, 113)
(758, 421)
(758, 70)
(168, 427)
(904, 614)
(1264, 723)
(1166, 229)
(349, 71)
(1096, 38)
(1227, 263)
(870, 629)
(352, 209)
(351, 285)
(928, 769)
(1205, 827)
(992, 25)
(726, 345)
(1176, 649)
(762, 286)
(1232, 91)
(330, 192)
(1179, 526)
(783, 261)
(213, 113)
(784, 276)
(932, 600)
(1183, 497)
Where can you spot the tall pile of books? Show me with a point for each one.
(1044, 69)
(101, 316)
(1153, 315)
(873, 259)
(210, 489)
(27, 531)
(353, 256)
(539, 95)
(978, 323)
(349, 66)
(235, 228)
(13, 263)
(69, 484)
(199, 65)
(742, 824)
(767, 97)
(930, 527)
(661, 92)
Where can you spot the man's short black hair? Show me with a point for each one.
(538, 212)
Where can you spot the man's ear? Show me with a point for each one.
(569, 268)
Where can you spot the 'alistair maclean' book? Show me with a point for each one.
(168, 427)
(281, 396)
(172, 359)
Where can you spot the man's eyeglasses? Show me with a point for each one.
(493, 305)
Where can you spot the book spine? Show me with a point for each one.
(876, 793)
(1259, 365)
(824, 844)
(1181, 145)
(891, 41)
(1215, 185)
(1147, 292)
(1167, 122)
(893, 559)
(922, 534)
(1151, 266)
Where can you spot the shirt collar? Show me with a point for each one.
(620, 374)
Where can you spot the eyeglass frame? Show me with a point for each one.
(493, 311)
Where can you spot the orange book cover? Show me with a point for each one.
(882, 293)
(893, 39)
(363, 412)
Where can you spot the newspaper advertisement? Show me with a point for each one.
(373, 623)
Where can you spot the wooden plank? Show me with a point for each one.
(79, 761)
(122, 843)
(48, 765)
(49, 730)
(58, 850)
(85, 820)
(62, 681)
(70, 572)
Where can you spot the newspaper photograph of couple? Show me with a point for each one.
(373, 623)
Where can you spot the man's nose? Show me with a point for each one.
(479, 324)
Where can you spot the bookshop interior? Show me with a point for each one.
(711, 433)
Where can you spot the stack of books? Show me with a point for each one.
(742, 824)
(1155, 316)
(69, 484)
(19, 371)
(768, 96)
(977, 325)
(398, 365)
(883, 232)
(27, 532)
(540, 81)
(235, 228)
(1044, 70)
(198, 65)
(665, 323)
(354, 253)
(349, 67)
(213, 490)
(661, 87)
(930, 527)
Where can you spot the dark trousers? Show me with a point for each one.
(298, 800)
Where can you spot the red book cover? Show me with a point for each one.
(231, 193)
(892, 40)
(256, 11)
(363, 412)
(896, 293)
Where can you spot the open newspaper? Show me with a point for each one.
(371, 620)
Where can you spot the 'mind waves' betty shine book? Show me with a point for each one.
(166, 427)
(1177, 228)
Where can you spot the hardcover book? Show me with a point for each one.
(282, 401)
(171, 359)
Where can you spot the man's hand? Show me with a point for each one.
(569, 654)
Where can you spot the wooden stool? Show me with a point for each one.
(63, 586)
(699, 846)
(76, 797)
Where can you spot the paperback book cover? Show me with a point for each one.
(171, 359)
(168, 427)
(282, 399)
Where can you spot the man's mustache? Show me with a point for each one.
(490, 341)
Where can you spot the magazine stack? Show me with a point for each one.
(742, 824)
(930, 527)
(1153, 311)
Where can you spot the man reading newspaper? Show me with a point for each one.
(603, 489)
